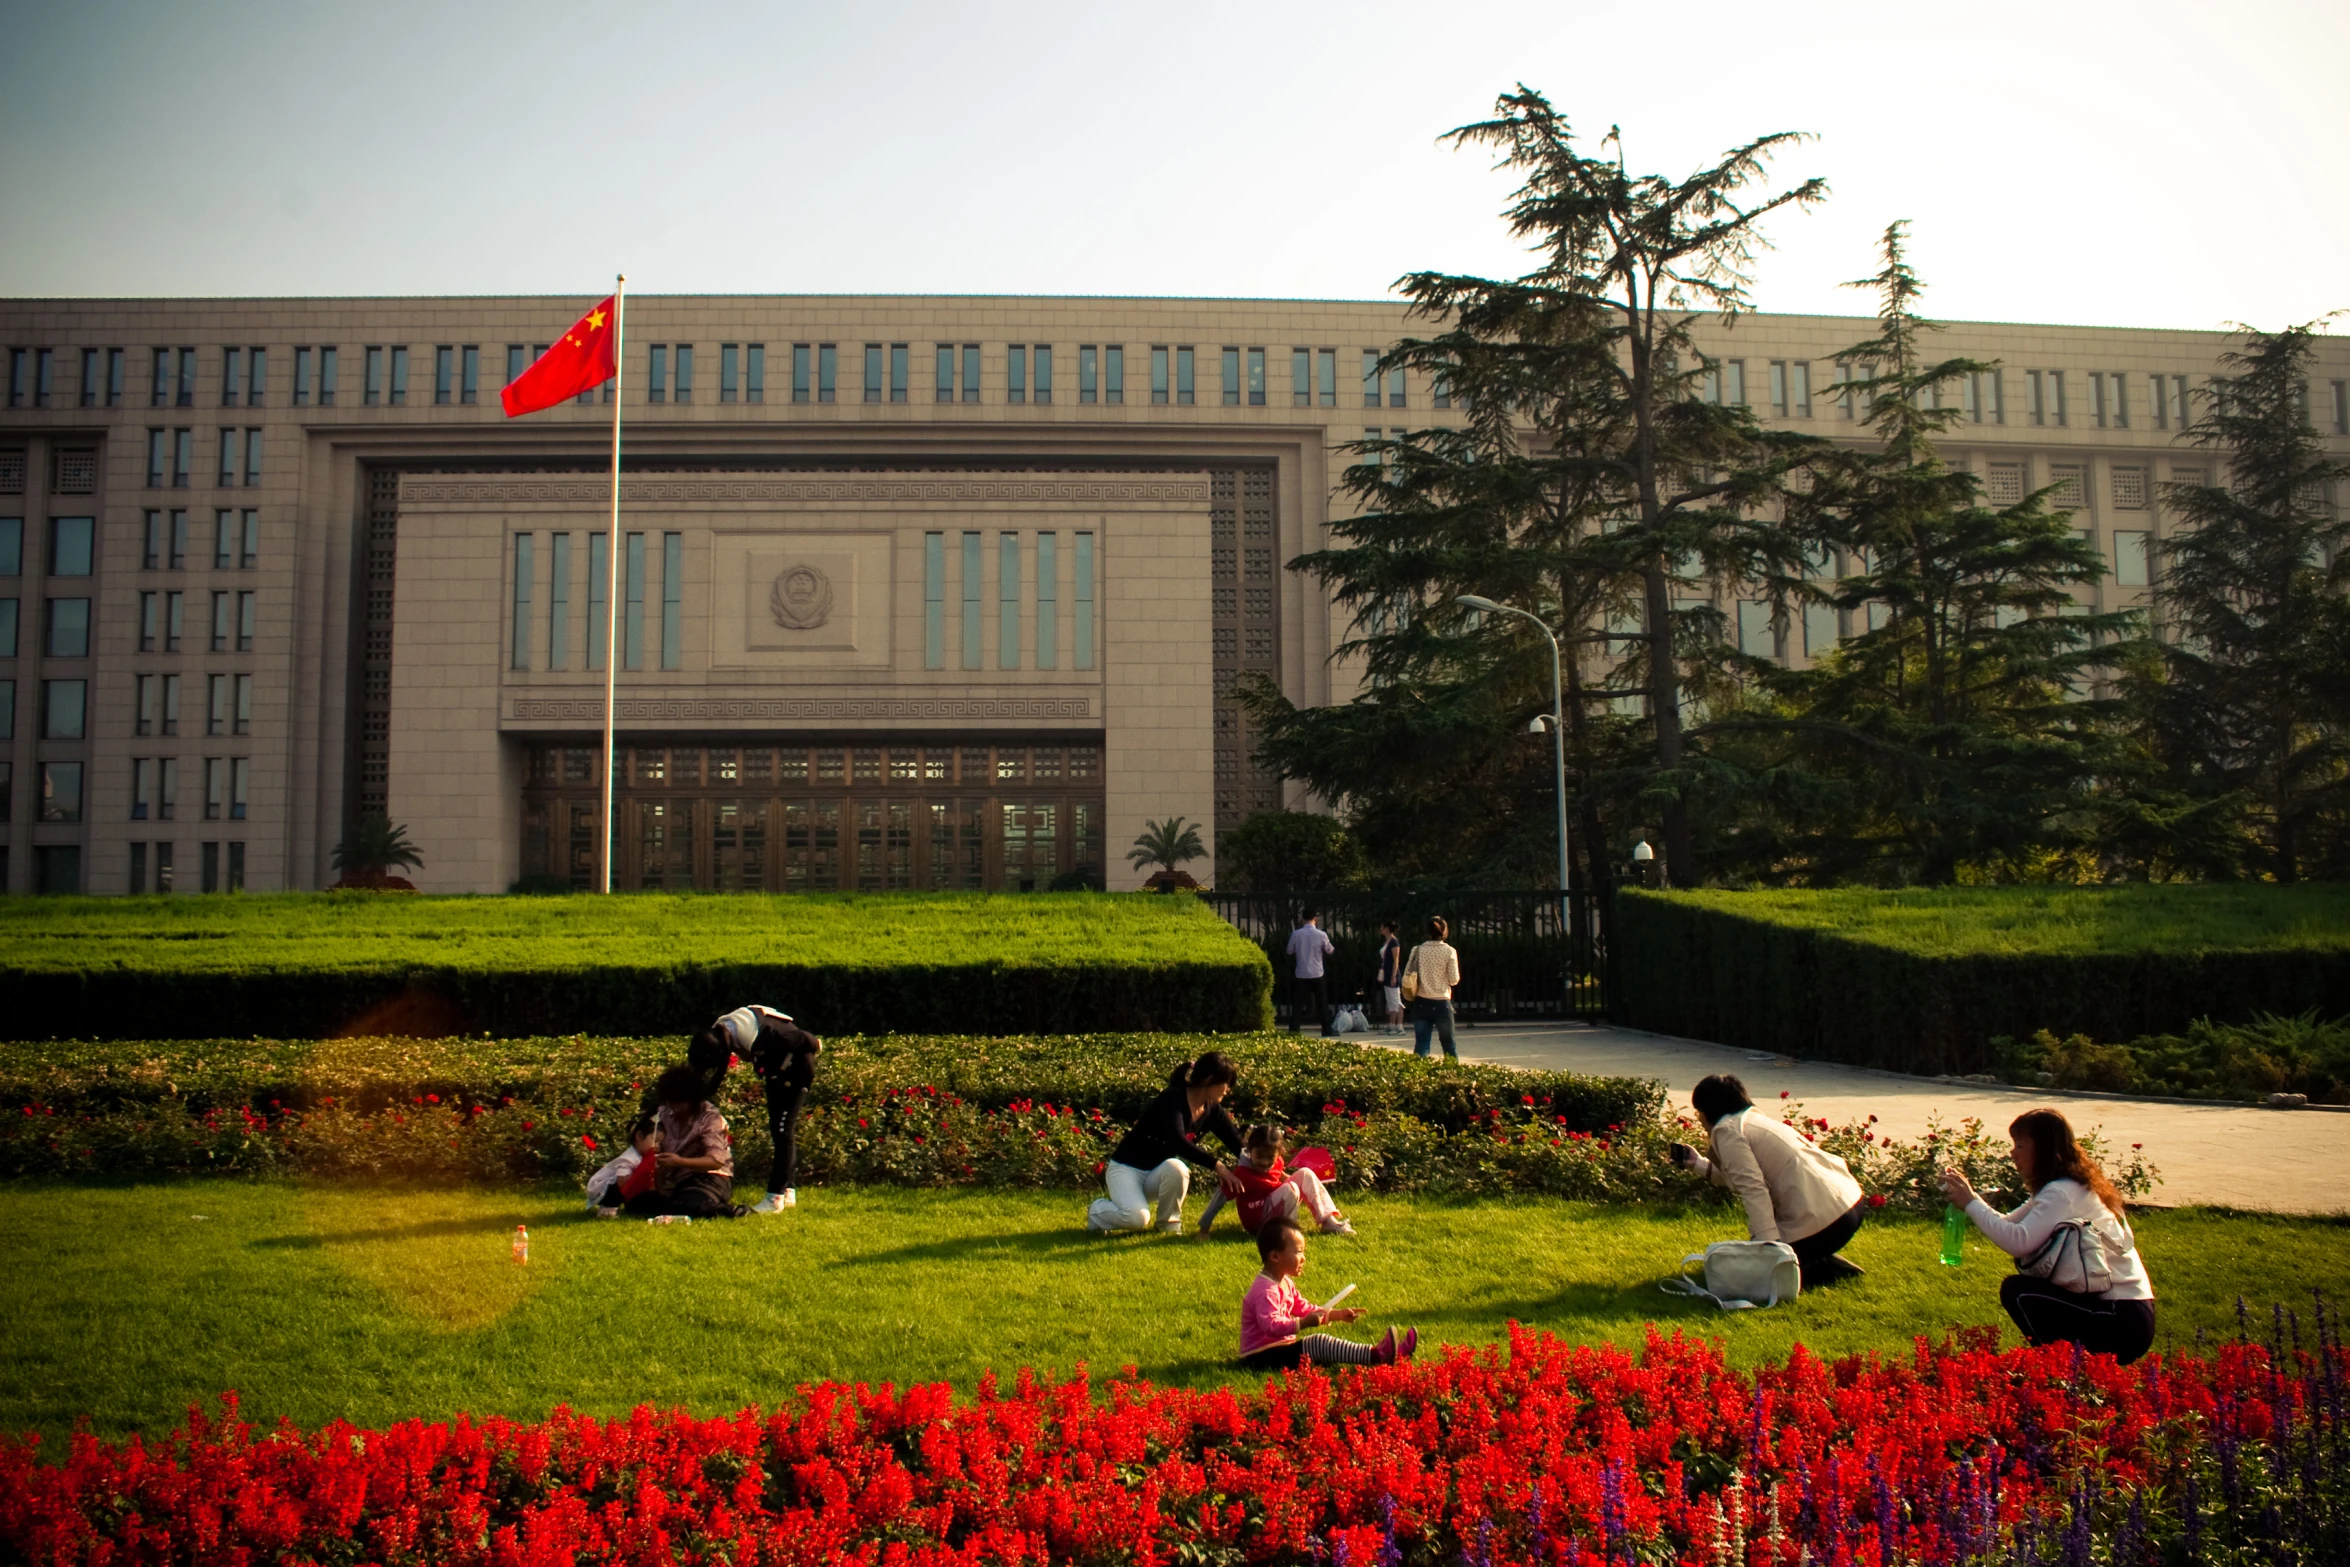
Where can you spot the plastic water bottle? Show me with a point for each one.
(1953, 1236)
(521, 1247)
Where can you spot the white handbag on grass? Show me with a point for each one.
(1741, 1275)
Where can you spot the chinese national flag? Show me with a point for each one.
(582, 360)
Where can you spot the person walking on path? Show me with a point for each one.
(784, 1055)
(1309, 945)
(1435, 968)
(1391, 976)
(2101, 1298)
(1794, 1190)
(1149, 1173)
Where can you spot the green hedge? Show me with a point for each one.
(297, 965)
(1925, 981)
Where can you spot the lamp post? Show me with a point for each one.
(1558, 722)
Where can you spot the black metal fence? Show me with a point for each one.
(1523, 954)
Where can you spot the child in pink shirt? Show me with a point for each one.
(1272, 1312)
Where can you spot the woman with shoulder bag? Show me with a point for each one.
(2078, 1279)
(1429, 975)
(1794, 1190)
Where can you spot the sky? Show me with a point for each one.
(2154, 164)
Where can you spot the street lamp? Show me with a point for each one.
(1558, 719)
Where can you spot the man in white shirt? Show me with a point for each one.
(1309, 944)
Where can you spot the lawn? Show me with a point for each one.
(130, 1302)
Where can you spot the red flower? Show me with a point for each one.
(590, 1141)
(1782, 1093)
(526, 1126)
(1876, 1199)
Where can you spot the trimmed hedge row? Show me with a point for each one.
(293, 966)
(1705, 968)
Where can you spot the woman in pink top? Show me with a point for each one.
(1272, 1311)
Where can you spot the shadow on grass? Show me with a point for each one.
(1060, 1241)
(422, 1229)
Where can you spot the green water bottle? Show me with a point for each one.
(1953, 1236)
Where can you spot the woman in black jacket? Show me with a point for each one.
(1149, 1172)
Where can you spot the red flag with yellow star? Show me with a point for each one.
(583, 359)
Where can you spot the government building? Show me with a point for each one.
(914, 592)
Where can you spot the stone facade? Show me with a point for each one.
(820, 692)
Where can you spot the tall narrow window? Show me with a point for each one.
(231, 381)
(599, 622)
(1734, 382)
(685, 373)
(632, 629)
(559, 601)
(522, 567)
(444, 374)
(468, 374)
(158, 457)
(326, 377)
(1048, 601)
(1301, 377)
(1395, 396)
(247, 606)
(517, 361)
(1230, 377)
(1082, 642)
(802, 376)
(1186, 386)
(827, 372)
(1159, 388)
(183, 458)
(900, 371)
(873, 372)
(1044, 372)
(1256, 378)
(89, 378)
(672, 601)
(162, 392)
(224, 539)
(1779, 388)
(657, 373)
(1326, 377)
(1089, 373)
(755, 373)
(371, 390)
(944, 391)
(114, 372)
(1370, 378)
(1016, 373)
(934, 600)
(970, 372)
(228, 458)
(244, 715)
(249, 552)
(1114, 373)
(399, 375)
(1007, 592)
(971, 611)
(252, 457)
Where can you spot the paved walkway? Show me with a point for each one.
(2285, 1161)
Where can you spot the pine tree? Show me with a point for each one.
(2246, 708)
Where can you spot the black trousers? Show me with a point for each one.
(2044, 1314)
(783, 1125)
(1303, 990)
(1813, 1251)
(699, 1196)
(1281, 1357)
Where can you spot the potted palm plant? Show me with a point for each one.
(369, 851)
(1167, 845)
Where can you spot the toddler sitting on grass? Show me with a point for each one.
(1272, 1312)
(1262, 1188)
(630, 1173)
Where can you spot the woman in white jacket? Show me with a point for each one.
(2066, 1188)
(1794, 1190)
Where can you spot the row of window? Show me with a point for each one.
(171, 458)
(236, 539)
(228, 704)
(155, 787)
(1020, 594)
(221, 866)
(797, 767)
(73, 546)
(560, 630)
(66, 624)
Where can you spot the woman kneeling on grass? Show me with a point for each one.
(1794, 1190)
(1272, 1311)
(695, 1161)
(1150, 1169)
(2085, 1287)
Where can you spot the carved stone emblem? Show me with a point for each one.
(801, 599)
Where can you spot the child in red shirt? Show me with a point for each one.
(1272, 1312)
(1261, 1187)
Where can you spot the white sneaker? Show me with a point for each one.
(776, 1202)
(1171, 1227)
(1337, 1227)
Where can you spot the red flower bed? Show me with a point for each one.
(1550, 1453)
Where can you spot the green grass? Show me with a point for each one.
(1968, 921)
(321, 963)
(375, 1304)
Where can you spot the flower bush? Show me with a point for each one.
(1551, 1453)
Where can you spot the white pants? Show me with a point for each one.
(1135, 1193)
(1306, 1185)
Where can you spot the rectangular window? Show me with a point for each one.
(873, 372)
(2130, 559)
(729, 370)
(1114, 373)
(1186, 387)
(632, 626)
(142, 803)
(244, 716)
(1159, 382)
(249, 543)
(215, 795)
(174, 615)
(1799, 377)
(685, 373)
(246, 604)
(64, 709)
(1229, 377)
(599, 620)
(2341, 406)
(158, 457)
(302, 378)
(444, 375)
(223, 611)
(326, 377)
(1734, 382)
(162, 392)
(944, 389)
(1082, 643)
(1089, 373)
(183, 458)
(399, 375)
(558, 600)
(8, 628)
(1301, 377)
(672, 601)
(1044, 372)
(468, 374)
(89, 381)
(143, 719)
(256, 377)
(151, 554)
(150, 622)
(171, 726)
(1016, 373)
(209, 880)
(224, 539)
(252, 458)
(114, 377)
(1779, 388)
(2117, 389)
(1395, 395)
(12, 544)
(1048, 601)
(61, 791)
(228, 459)
(522, 571)
(517, 361)
(801, 374)
(971, 625)
(1370, 378)
(755, 373)
(970, 372)
(1256, 378)
(1007, 591)
(231, 383)
(1709, 383)
(827, 372)
(184, 394)
(1326, 377)
(657, 373)
(216, 704)
(372, 384)
(68, 629)
(72, 546)
(934, 600)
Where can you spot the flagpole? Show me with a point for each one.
(612, 561)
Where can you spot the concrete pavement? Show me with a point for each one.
(2283, 1161)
